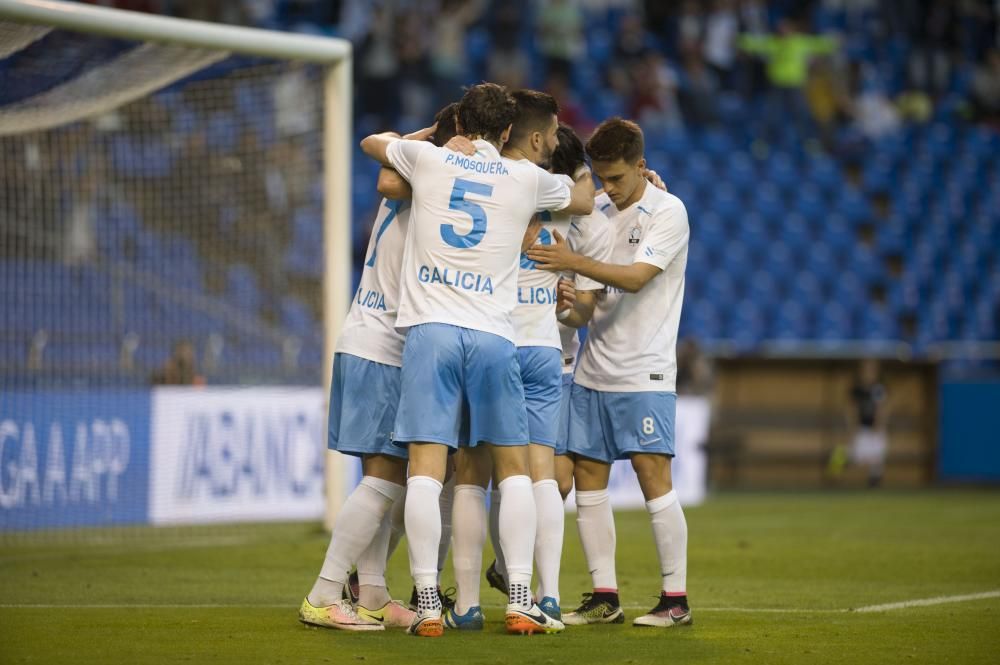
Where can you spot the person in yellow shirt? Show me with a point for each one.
(788, 54)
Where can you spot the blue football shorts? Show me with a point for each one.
(607, 426)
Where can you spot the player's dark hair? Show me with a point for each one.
(614, 139)
(486, 110)
(445, 120)
(568, 155)
(534, 113)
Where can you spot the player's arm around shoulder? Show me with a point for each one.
(581, 193)
(392, 150)
(393, 186)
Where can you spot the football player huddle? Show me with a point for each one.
(459, 368)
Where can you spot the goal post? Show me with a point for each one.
(197, 45)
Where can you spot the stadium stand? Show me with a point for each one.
(798, 236)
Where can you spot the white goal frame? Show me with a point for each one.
(334, 54)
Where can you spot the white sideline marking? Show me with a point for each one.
(925, 602)
(886, 607)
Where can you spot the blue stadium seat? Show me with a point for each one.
(703, 319)
(825, 172)
(837, 234)
(791, 323)
(720, 287)
(806, 288)
(878, 323)
(940, 140)
(854, 206)
(797, 233)
(741, 171)
(762, 289)
(834, 322)
(718, 143)
(811, 203)
(782, 171)
(296, 316)
(746, 325)
(878, 175)
(769, 203)
(981, 142)
(700, 169)
(242, 288)
(726, 203)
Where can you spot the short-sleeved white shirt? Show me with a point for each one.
(537, 290)
(370, 326)
(467, 222)
(632, 339)
(589, 236)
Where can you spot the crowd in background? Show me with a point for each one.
(832, 64)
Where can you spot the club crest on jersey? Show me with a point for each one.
(635, 235)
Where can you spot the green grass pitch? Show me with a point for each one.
(773, 578)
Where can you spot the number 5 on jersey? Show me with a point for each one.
(471, 208)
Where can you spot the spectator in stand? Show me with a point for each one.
(828, 98)
(985, 94)
(570, 110)
(873, 112)
(417, 85)
(751, 76)
(631, 41)
(447, 48)
(690, 27)
(508, 63)
(699, 87)
(560, 35)
(935, 44)
(719, 49)
(654, 101)
(80, 234)
(378, 69)
(788, 54)
(179, 369)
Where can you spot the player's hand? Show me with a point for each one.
(554, 257)
(461, 144)
(531, 233)
(422, 134)
(567, 296)
(654, 178)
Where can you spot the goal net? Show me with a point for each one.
(174, 256)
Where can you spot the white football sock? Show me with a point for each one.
(517, 535)
(357, 523)
(397, 524)
(446, 500)
(548, 536)
(423, 529)
(371, 565)
(469, 536)
(671, 534)
(501, 566)
(597, 535)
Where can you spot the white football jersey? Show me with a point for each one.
(467, 222)
(537, 290)
(632, 340)
(590, 236)
(370, 326)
